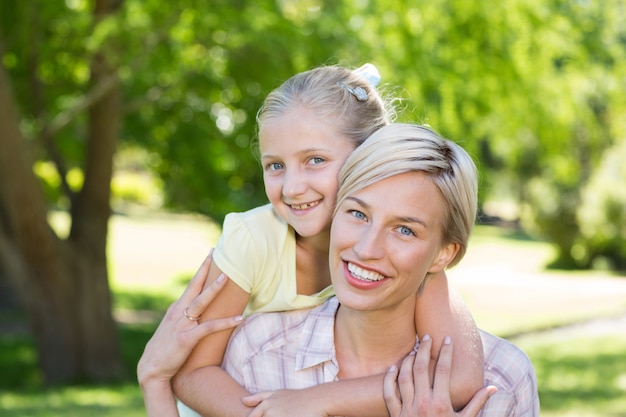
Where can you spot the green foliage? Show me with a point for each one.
(533, 89)
(132, 182)
(19, 363)
(603, 210)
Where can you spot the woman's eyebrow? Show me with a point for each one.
(409, 219)
(358, 201)
(402, 219)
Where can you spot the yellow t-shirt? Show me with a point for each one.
(257, 251)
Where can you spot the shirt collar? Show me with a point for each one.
(317, 344)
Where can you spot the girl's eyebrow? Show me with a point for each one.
(302, 152)
(402, 219)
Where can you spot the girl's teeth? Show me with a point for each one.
(303, 206)
(363, 274)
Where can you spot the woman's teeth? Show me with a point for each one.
(363, 274)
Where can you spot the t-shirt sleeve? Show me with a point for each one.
(237, 252)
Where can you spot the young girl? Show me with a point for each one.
(276, 256)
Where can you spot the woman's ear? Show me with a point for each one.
(446, 255)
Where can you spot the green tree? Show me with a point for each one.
(62, 282)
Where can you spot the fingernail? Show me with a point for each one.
(447, 340)
(239, 318)
(220, 279)
(393, 368)
(425, 337)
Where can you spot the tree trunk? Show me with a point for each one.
(62, 284)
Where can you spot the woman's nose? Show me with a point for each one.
(370, 244)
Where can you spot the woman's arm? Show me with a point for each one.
(173, 340)
(440, 313)
(201, 384)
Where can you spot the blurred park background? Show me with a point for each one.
(127, 132)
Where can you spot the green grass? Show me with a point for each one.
(21, 393)
(502, 280)
(78, 401)
(582, 376)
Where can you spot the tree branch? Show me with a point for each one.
(97, 92)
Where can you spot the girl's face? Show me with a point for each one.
(301, 156)
(385, 238)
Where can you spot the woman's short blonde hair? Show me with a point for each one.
(400, 148)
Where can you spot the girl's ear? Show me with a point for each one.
(446, 255)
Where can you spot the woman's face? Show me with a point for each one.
(301, 157)
(385, 238)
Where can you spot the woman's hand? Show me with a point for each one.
(408, 392)
(176, 336)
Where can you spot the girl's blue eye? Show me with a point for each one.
(275, 166)
(316, 160)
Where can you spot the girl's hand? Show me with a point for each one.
(283, 403)
(408, 392)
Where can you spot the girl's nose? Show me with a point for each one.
(294, 183)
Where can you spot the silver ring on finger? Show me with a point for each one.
(189, 316)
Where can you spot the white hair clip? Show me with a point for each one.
(370, 73)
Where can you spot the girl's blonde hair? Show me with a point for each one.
(329, 92)
(400, 148)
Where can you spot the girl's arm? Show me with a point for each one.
(363, 397)
(201, 383)
(442, 313)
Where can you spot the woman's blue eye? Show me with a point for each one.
(358, 214)
(406, 231)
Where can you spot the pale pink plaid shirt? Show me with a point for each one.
(509, 368)
(295, 349)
